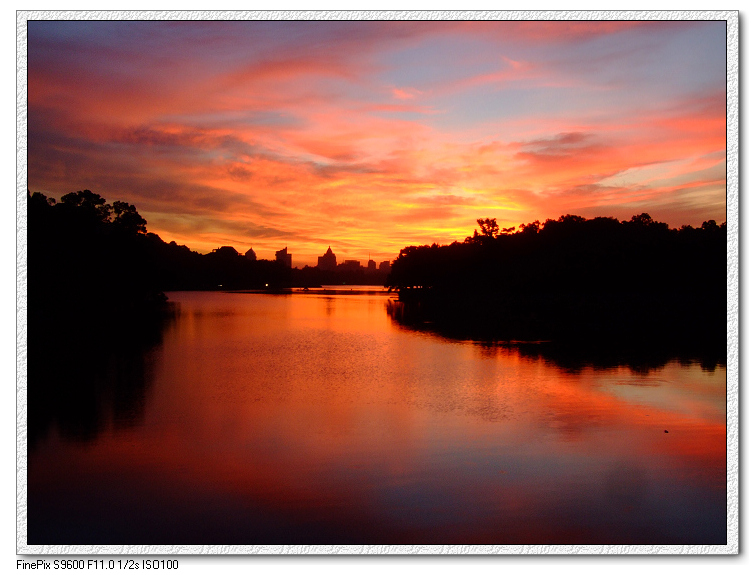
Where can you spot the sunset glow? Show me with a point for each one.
(371, 136)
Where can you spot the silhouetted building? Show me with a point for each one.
(371, 266)
(351, 265)
(283, 257)
(226, 251)
(327, 261)
(250, 255)
(385, 266)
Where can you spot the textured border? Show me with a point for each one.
(732, 212)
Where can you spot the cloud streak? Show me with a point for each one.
(373, 135)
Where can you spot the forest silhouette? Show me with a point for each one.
(93, 252)
(571, 277)
(635, 282)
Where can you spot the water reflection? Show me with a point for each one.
(87, 376)
(315, 418)
(641, 356)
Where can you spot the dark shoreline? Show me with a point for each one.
(574, 349)
(317, 290)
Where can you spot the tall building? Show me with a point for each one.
(371, 266)
(283, 257)
(250, 255)
(327, 261)
(385, 266)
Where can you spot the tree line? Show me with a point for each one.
(90, 253)
(571, 278)
(564, 278)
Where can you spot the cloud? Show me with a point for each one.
(373, 135)
(406, 93)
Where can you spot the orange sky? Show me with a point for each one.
(370, 136)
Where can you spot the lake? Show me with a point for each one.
(316, 418)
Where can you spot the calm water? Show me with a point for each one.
(314, 418)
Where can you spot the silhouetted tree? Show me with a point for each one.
(531, 228)
(642, 219)
(488, 231)
(87, 204)
(574, 278)
(488, 227)
(128, 219)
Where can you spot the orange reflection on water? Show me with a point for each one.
(311, 418)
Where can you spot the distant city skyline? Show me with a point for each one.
(327, 261)
(299, 262)
(371, 136)
(323, 262)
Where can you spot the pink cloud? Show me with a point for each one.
(406, 93)
(325, 144)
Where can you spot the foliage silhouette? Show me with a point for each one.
(630, 282)
(93, 302)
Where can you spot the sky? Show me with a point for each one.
(368, 136)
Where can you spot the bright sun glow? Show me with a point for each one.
(370, 136)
